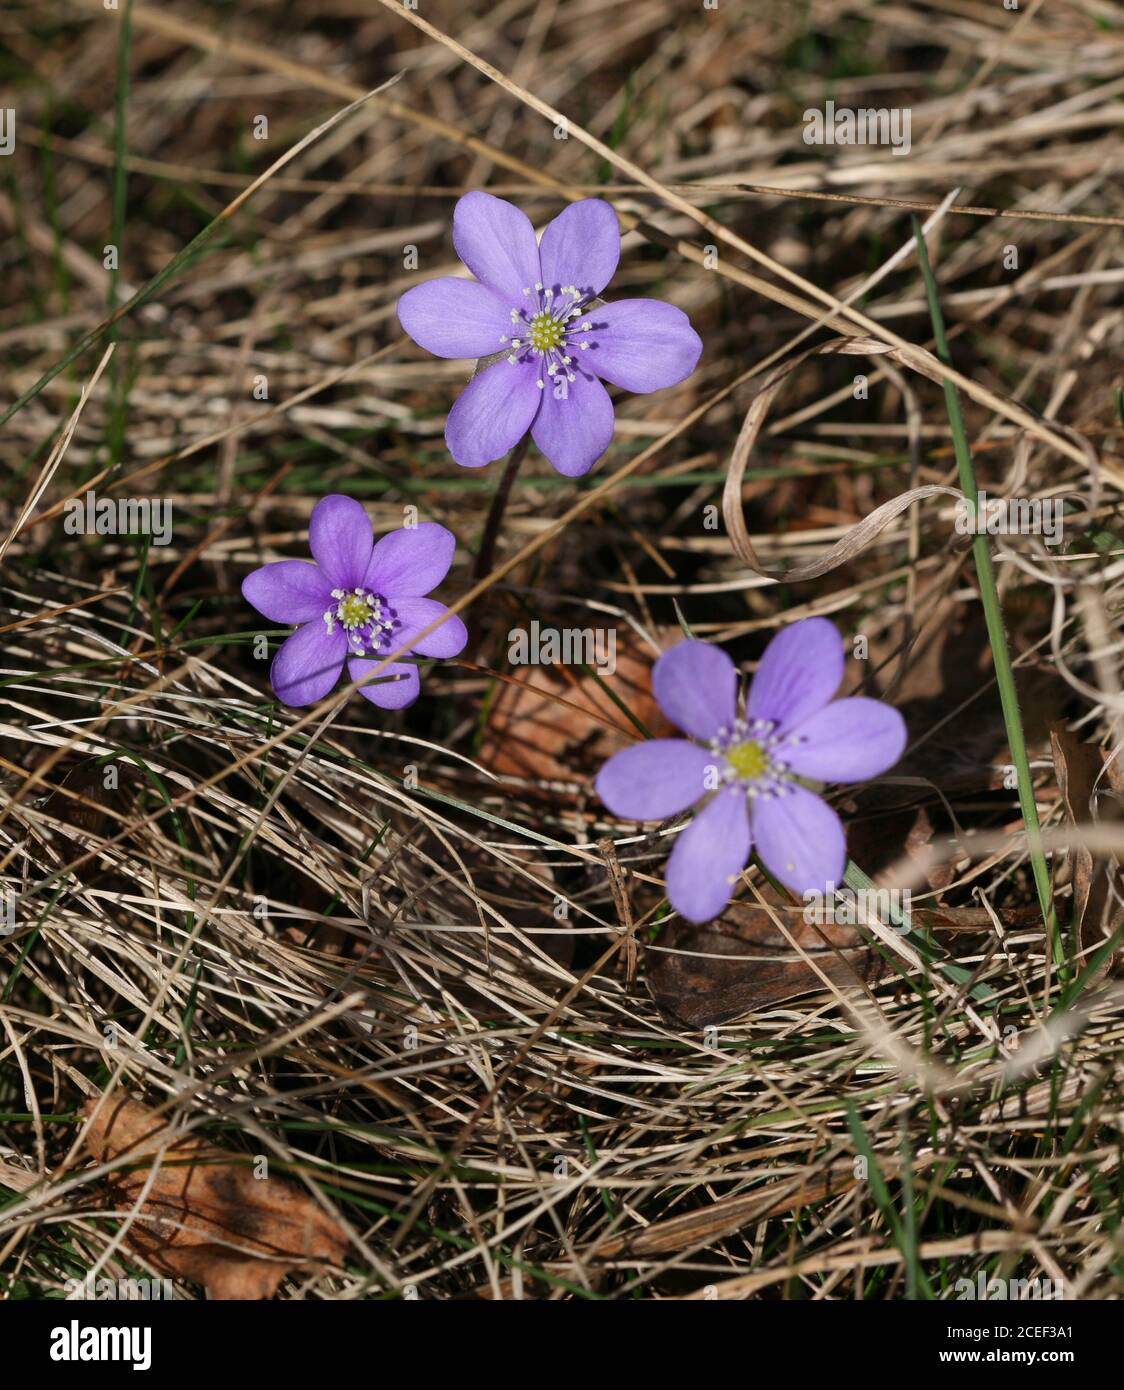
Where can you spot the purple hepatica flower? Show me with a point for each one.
(359, 602)
(790, 729)
(534, 309)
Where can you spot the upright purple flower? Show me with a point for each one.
(750, 761)
(535, 309)
(358, 603)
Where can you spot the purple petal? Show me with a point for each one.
(798, 674)
(581, 247)
(696, 685)
(410, 561)
(340, 538)
(493, 412)
(398, 684)
(497, 243)
(290, 591)
(575, 430)
(416, 614)
(640, 344)
(708, 856)
(308, 664)
(800, 839)
(846, 741)
(455, 318)
(653, 780)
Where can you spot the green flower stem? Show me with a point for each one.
(486, 554)
(993, 614)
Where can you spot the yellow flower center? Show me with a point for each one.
(354, 611)
(546, 332)
(749, 760)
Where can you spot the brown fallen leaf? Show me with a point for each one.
(974, 919)
(886, 828)
(1092, 788)
(741, 962)
(531, 733)
(944, 688)
(205, 1216)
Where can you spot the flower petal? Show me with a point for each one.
(581, 247)
(574, 430)
(340, 538)
(708, 856)
(696, 685)
(653, 780)
(455, 318)
(497, 243)
(410, 561)
(290, 591)
(798, 674)
(398, 684)
(416, 614)
(308, 664)
(799, 839)
(493, 412)
(640, 344)
(846, 741)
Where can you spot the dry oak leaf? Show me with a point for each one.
(556, 723)
(205, 1216)
(699, 976)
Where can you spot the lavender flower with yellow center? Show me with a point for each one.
(744, 768)
(358, 602)
(534, 309)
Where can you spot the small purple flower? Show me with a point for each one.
(537, 305)
(358, 603)
(790, 729)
